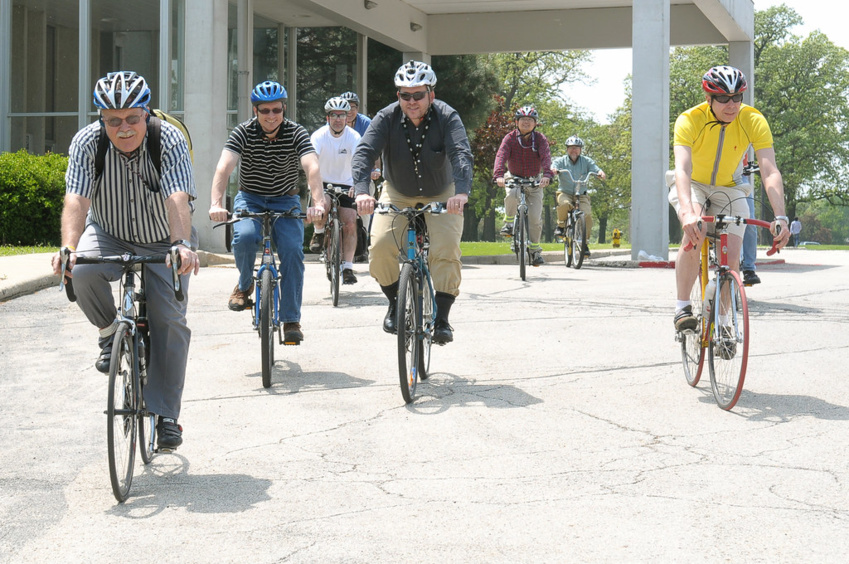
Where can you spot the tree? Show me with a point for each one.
(533, 78)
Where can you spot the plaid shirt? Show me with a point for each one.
(523, 158)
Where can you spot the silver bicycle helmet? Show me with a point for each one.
(527, 111)
(351, 97)
(337, 104)
(574, 141)
(121, 90)
(415, 73)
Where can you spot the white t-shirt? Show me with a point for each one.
(335, 154)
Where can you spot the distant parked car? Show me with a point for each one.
(806, 243)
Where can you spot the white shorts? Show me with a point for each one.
(720, 200)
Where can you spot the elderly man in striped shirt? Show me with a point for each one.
(132, 208)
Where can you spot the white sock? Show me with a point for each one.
(347, 265)
(681, 304)
(317, 230)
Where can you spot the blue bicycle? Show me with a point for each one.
(416, 314)
(265, 310)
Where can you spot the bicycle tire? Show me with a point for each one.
(693, 342)
(121, 411)
(521, 244)
(147, 423)
(335, 259)
(428, 321)
(266, 326)
(567, 245)
(729, 358)
(409, 344)
(578, 241)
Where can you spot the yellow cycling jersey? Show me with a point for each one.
(718, 151)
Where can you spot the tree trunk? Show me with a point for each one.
(602, 229)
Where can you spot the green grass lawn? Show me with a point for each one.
(481, 248)
(10, 250)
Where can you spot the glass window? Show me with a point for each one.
(178, 56)
(44, 71)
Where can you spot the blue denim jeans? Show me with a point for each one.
(750, 240)
(287, 235)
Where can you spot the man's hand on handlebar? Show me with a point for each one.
(455, 203)
(365, 204)
(780, 232)
(217, 213)
(693, 228)
(316, 213)
(189, 261)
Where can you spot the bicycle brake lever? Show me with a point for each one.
(65, 256)
(176, 262)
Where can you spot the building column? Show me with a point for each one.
(292, 74)
(361, 81)
(650, 128)
(245, 49)
(5, 75)
(206, 104)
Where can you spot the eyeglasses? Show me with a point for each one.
(407, 96)
(116, 121)
(725, 99)
(337, 116)
(266, 111)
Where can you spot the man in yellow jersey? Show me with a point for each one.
(710, 141)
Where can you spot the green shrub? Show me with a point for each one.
(32, 191)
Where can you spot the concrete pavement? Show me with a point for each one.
(557, 427)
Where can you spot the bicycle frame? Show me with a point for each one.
(266, 263)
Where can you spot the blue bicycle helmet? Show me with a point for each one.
(268, 91)
(121, 90)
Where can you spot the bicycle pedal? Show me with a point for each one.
(291, 343)
(165, 450)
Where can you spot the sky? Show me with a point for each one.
(612, 66)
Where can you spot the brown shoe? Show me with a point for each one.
(317, 242)
(292, 334)
(241, 300)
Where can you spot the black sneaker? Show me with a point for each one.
(389, 320)
(105, 359)
(317, 242)
(558, 232)
(685, 320)
(348, 276)
(536, 258)
(169, 435)
(750, 278)
(442, 332)
(507, 230)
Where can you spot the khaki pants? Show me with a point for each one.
(388, 233)
(564, 206)
(533, 197)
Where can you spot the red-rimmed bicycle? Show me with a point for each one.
(723, 318)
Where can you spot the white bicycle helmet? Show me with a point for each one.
(351, 97)
(121, 90)
(527, 111)
(337, 104)
(415, 73)
(574, 141)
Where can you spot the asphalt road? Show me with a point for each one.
(556, 428)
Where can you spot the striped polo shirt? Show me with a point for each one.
(128, 201)
(269, 168)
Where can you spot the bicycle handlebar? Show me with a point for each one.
(722, 220)
(126, 260)
(245, 214)
(432, 207)
(582, 182)
(521, 182)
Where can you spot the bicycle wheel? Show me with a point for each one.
(409, 345)
(568, 235)
(428, 319)
(729, 341)
(578, 241)
(266, 325)
(147, 423)
(121, 413)
(335, 259)
(521, 243)
(692, 342)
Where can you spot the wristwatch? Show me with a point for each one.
(784, 217)
(183, 242)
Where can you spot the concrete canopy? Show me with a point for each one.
(423, 28)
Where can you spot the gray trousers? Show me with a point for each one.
(169, 333)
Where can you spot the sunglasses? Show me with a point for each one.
(407, 96)
(725, 99)
(266, 111)
(116, 121)
(337, 116)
